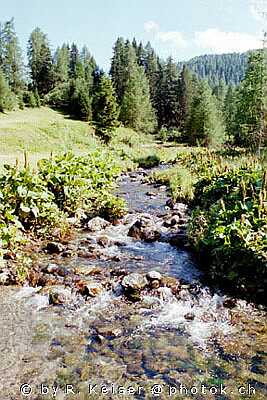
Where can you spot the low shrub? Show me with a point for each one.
(148, 162)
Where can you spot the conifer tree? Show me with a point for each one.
(186, 93)
(61, 62)
(40, 62)
(251, 104)
(76, 68)
(206, 126)
(105, 109)
(118, 69)
(136, 109)
(89, 66)
(80, 102)
(168, 96)
(229, 112)
(7, 100)
(10, 57)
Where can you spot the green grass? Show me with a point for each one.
(40, 131)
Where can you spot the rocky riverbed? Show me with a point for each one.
(124, 305)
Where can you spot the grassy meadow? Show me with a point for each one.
(40, 131)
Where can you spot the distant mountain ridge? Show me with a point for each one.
(229, 67)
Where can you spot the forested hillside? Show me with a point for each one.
(230, 68)
(141, 91)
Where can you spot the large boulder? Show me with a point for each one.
(144, 229)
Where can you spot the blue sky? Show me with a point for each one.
(177, 27)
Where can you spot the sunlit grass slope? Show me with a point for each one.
(40, 131)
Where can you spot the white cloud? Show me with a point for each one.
(172, 38)
(220, 42)
(151, 26)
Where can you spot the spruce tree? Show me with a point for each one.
(251, 104)
(61, 64)
(136, 109)
(80, 102)
(206, 125)
(151, 65)
(40, 62)
(105, 109)
(10, 57)
(89, 66)
(186, 93)
(7, 100)
(229, 112)
(169, 96)
(118, 69)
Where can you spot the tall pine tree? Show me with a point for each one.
(136, 109)
(40, 62)
(105, 108)
(10, 57)
(206, 125)
(250, 128)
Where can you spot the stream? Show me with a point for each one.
(189, 342)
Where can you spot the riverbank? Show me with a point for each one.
(228, 226)
(117, 303)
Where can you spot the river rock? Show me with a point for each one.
(189, 316)
(55, 269)
(172, 222)
(87, 270)
(178, 240)
(104, 241)
(4, 278)
(92, 289)
(229, 303)
(97, 224)
(54, 248)
(144, 229)
(165, 293)
(109, 331)
(171, 283)
(60, 295)
(134, 281)
(151, 194)
(154, 275)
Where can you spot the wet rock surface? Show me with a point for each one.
(144, 229)
(127, 310)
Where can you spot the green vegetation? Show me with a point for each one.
(228, 225)
(34, 201)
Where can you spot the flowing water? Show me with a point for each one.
(109, 347)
